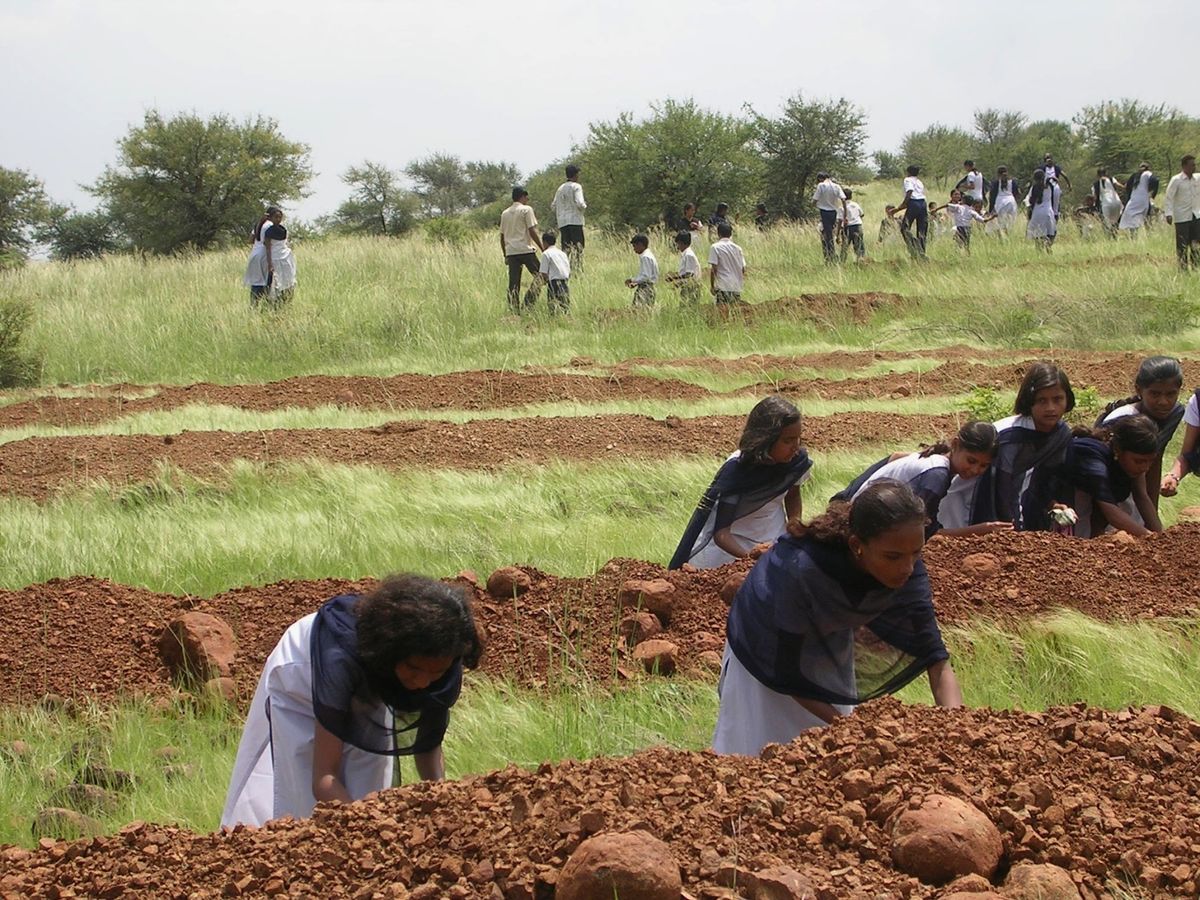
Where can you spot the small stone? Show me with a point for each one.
(978, 566)
(781, 883)
(730, 588)
(508, 582)
(655, 595)
(661, 657)
(1029, 881)
(639, 626)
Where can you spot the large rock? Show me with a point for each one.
(657, 656)
(639, 626)
(198, 646)
(656, 595)
(943, 838)
(1033, 881)
(631, 865)
(508, 582)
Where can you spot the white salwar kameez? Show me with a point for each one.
(1043, 220)
(282, 258)
(1110, 202)
(762, 526)
(272, 775)
(1138, 207)
(1005, 209)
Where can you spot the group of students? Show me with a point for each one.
(271, 269)
(840, 610)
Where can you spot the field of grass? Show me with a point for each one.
(378, 307)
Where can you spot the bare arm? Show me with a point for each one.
(725, 540)
(327, 763)
(981, 528)
(944, 685)
(793, 504)
(267, 248)
(503, 247)
(1145, 506)
(826, 712)
(712, 278)
(1170, 482)
(1122, 521)
(536, 238)
(431, 766)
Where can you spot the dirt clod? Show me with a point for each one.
(658, 656)
(58, 822)
(731, 586)
(639, 626)
(943, 838)
(1039, 881)
(980, 565)
(656, 595)
(631, 865)
(508, 582)
(198, 646)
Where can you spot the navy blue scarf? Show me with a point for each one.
(1001, 494)
(369, 710)
(740, 488)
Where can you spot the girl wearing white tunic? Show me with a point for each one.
(258, 267)
(754, 493)
(1142, 187)
(347, 689)
(833, 615)
(1043, 199)
(271, 269)
(1003, 202)
(1107, 199)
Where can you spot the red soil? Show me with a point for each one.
(1110, 797)
(87, 638)
(36, 467)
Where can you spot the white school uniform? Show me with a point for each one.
(963, 215)
(1138, 206)
(973, 188)
(647, 268)
(1043, 220)
(730, 262)
(272, 774)
(689, 263)
(1110, 201)
(854, 214)
(284, 262)
(958, 505)
(1005, 207)
(907, 469)
(555, 264)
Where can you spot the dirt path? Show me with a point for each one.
(36, 467)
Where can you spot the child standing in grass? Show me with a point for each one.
(346, 690)
(726, 267)
(836, 613)
(687, 279)
(555, 270)
(850, 223)
(1043, 201)
(916, 212)
(754, 493)
(643, 282)
(964, 215)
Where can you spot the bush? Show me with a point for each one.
(17, 366)
(986, 405)
(448, 230)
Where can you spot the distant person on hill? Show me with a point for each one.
(1140, 189)
(689, 221)
(1036, 436)
(761, 217)
(971, 184)
(1188, 459)
(1108, 200)
(928, 474)
(647, 275)
(1104, 467)
(1182, 209)
(569, 207)
(850, 225)
(1002, 200)
(916, 211)
(687, 279)
(836, 613)
(726, 267)
(719, 218)
(347, 689)
(271, 270)
(555, 270)
(1043, 201)
(1156, 390)
(828, 198)
(520, 241)
(754, 494)
(1054, 171)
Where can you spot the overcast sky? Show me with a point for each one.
(489, 79)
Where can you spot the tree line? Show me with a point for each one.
(187, 182)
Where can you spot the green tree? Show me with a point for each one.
(488, 182)
(188, 181)
(24, 208)
(76, 235)
(639, 173)
(440, 183)
(997, 134)
(939, 150)
(377, 204)
(806, 138)
(888, 165)
(1121, 134)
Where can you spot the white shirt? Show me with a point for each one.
(555, 264)
(730, 263)
(689, 263)
(963, 215)
(1182, 202)
(855, 213)
(974, 185)
(914, 184)
(1191, 412)
(568, 204)
(647, 268)
(828, 195)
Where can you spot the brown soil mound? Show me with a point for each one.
(35, 467)
(458, 390)
(87, 638)
(1110, 797)
(821, 307)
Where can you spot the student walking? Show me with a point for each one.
(647, 276)
(754, 494)
(1043, 201)
(271, 269)
(555, 270)
(687, 279)
(916, 211)
(520, 241)
(726, 267)
(971, 184)
(850, 225)
(1108, 200)
(964, 215)
(829, 198)
(1182, 208)
(569, 207)
(836, 613)
(1002, 200)
(1140, 189)
(347, 689)
(1053, 171)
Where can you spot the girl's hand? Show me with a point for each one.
(993, 527)
(1170, 485)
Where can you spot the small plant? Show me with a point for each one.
(986, 404)
(1087, 406)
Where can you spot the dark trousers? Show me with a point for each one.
(570, 238)
(1187, 243)
(558, 296)
(516, 263)
(828, 221)
(727, 298)
(917, 211)
(643, 294)
(963, 236)
(854, 238)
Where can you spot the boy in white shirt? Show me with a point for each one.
(964, 216)
(687, 279)
(555, 270)
(726, 267)
(647, 276)
(850, 226)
